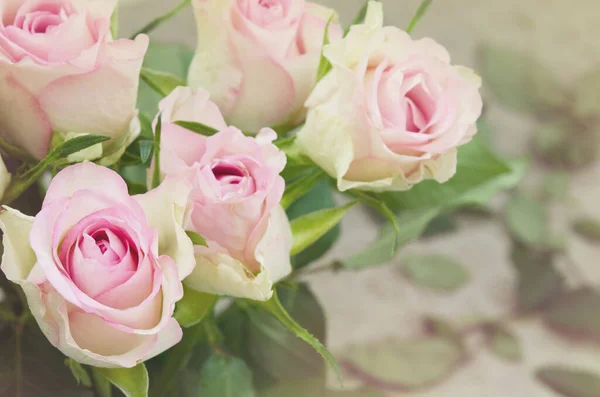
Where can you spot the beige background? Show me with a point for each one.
(378, 303)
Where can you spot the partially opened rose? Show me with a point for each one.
(393, 110)
(235, 190)
(101, 269)
(259, 58)
(60, 71)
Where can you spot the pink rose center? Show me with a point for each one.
(98, 255)
(264, 12)
(48, 31)
(401, 97)
(233, 178)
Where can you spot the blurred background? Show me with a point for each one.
(518, 292)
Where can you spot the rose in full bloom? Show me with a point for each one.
(393, 110)
(259, 58)
(101, 270)
(61, 72)
(233, 201)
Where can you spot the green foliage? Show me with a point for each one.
(435, 271)
(196, 238)
(576, 314)
(161, 82)
(528, 221)
(79, 372)
(505, 344)
(324, 64)
(319, 197)
(300, 187)
(307, 229)
(360, 17)
(226, 376)
(193, 307)
(198, 128)
(570, 382)
(156, 176)
(133, 382)
(423, 7)
(587, 228)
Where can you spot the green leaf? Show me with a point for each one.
(539, 283)
(156, 176)
(324, 64)
(193, 307)
(380, 206)
(114, 23)
(196, 238)
(359, 18)
(300, 187)
(226, 376)
(158, 21)
(505, 344)
(314, 387)
(309, 228)
(520, 82)
(318, 198)
(418, 15)
(31, 366)
(274, 307)
(576, 314)
(79, 372)
(477, 169)
(380, 251)
(146, 149)
(133, 382)
(407, 364)
(168, 58)
(198, 128)
(279, 352)
(556, 186)
(587, 228)
(528, 220)
(75, 145)
(161, 82)
(435, 271)
(569, 382)
(102, 386)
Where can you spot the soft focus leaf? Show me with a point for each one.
(576, 314)
(556, 186)
(565, 143)
(275, 308)
(520, 82)
(435, 271)
(380, 251)
(360, 17)
(156, 175)
(318, 198)
(133, 382)
(167, 58)
(301, 186)
(281, 353)
(79, 372)
(406, 365)
(539, 283)
(441, 224)
(226, 376)
(477, 167)
(193, 307)
(161, 82)
(528, 220)
(42, 369)
(505, 344)
(569, 382)
(114, 23)
(146, 148)
(587, 228)
(380, 206)
(198, 128)
(418, 15)
(585, 92)
(309, 228)
(314, 387)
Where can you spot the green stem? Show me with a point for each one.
(102, 387)
(418, 15)
(156, 22)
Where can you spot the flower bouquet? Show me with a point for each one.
(160, 206)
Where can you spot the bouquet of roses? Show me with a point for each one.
(156, 193)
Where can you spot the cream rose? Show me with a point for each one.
(393, 110)
(259, 58)
(61, 72)
(101, 270)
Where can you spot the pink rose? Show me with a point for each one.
(61, 72)
(259, 58)
(392, 111)
(233, 202)
(101, 270)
